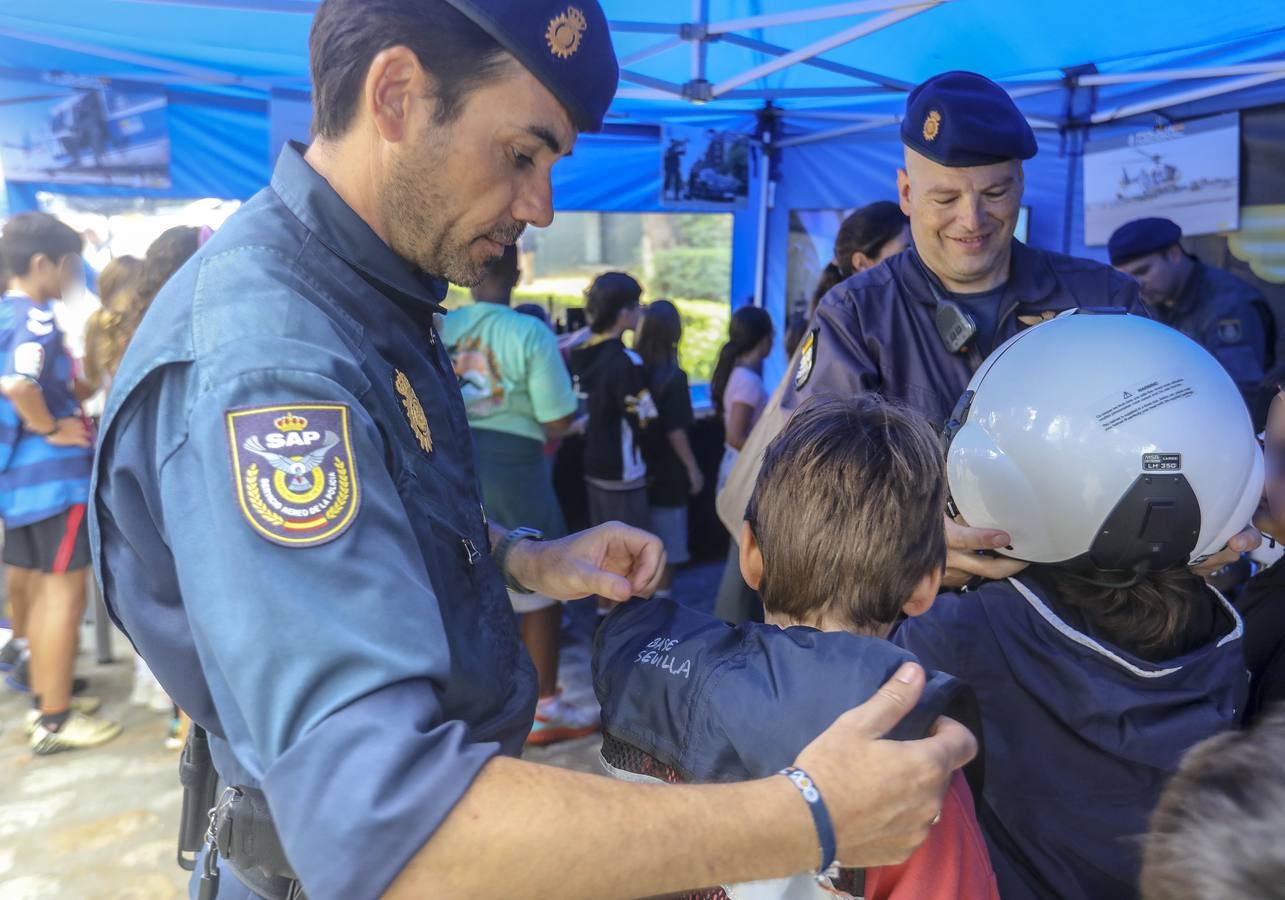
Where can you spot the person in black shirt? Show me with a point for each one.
(672, 473)
(610, 378)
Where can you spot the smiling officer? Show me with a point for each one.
(287, 522)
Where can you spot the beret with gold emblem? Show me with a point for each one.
(563, 43)
(961, 119)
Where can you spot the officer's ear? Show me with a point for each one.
(903, 190)
(861, 262)
(1174, 253)
(395, 84)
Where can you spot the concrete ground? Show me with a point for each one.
(101, 824)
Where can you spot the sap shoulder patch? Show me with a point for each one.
(807, 361)
(295, 475)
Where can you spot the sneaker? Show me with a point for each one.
(86, 705)
(78, 732)
(557, 721)
(20, 679)
(10, 654)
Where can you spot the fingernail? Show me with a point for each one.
(999, 540)
(906, 674)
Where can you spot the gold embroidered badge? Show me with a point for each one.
(565, 31)
(932, 126)
(414, 411)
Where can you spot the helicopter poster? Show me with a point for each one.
(85, 132)
(704, 169)
(1188, 172)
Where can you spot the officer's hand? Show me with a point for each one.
(612, 560)
(883, 796)
(1245, 541)
(963, 562)
(71, 432)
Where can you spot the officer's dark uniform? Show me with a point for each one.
(1216, 309)
(877, 330)
(286, 518)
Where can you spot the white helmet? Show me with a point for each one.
(1106, 437)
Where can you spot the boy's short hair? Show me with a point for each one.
(848, 510)
(1217, 829)
(29, 234)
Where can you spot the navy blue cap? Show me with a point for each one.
(1140, 237)
(567, 46)
(962, 119)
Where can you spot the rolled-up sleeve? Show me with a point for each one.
(326, 661)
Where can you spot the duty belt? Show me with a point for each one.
(232, 824)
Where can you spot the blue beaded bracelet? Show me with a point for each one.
(820, 815)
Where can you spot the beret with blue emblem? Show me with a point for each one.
(1140, 237)
(566, 45)
(961, 119)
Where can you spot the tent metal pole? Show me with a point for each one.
(659, 84)
(1227, 87)
(760, 253)
(824, 116)
(1258, 68)
(700, 16)
(206, 76)
(827, 65)
(645, 27)
(648, 52)
(644, 94)
(846, 36)
(302, 7)
(815, 14)
(802, 139)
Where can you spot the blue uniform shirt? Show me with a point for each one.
(38, 480)
(287, 524)
(1225, 316)
(876, 331)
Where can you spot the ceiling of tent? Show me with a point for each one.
(246, 48)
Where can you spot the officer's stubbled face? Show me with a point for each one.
(457, 193)
(1158, 275)
(962, 219)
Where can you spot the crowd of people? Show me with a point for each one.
(49, 393)
(966, 609)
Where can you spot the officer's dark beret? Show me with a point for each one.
(963, 119)
(564, 44)
(1140, 237)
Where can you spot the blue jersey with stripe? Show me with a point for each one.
(38, 480)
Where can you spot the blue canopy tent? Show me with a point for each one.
(236, 74)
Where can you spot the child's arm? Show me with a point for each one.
(683, 450)
(952, 863)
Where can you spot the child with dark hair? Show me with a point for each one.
(843, 535)
(610, 378)
(866, 238)
(673, 475)
(45, 454)
(1216, 832)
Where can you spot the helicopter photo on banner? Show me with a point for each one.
(85, 131)
(704, 169)
(1188, 172)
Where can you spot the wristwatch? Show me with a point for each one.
(501, 555)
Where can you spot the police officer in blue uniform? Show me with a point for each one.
(1214, 308)
(286, 519)
(916, 327)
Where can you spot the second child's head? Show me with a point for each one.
(41, 255)
(658, 336)
(613, 303)
(844, 530)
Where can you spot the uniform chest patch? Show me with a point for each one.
(807, 361)
(295, 475)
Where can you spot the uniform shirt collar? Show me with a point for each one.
(1030, 282)
(334, 224)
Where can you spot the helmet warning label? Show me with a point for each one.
(1128, 404)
